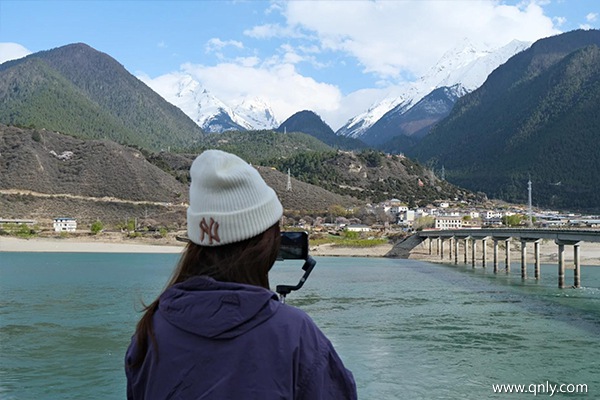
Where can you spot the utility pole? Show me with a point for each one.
(289, 182)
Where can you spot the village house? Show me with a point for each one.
(64, 224)
(358, 228)
(454, 222)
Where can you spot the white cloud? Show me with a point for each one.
(269, 31)
(12, 51)
(591, 17)
(393, 39)
(216, 44)
(286, 91)
(559, 21)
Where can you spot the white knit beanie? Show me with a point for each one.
(229, 200)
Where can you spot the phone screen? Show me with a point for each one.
(294, 246)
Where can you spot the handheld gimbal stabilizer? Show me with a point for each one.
(294, 246)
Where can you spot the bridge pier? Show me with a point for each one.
(441, 252)
(455, 250)
(576, 272)
(484, 252)
(536, 251)
(495, 256)
(523, 259)
(473, 251)
(466, 249)
(561, 263)
(536, 244)
(430, 244)
(507, 256)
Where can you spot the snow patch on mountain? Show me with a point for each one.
(257, 113)
(465, 68)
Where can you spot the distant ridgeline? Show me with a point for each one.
(310, 123)
(537, 115)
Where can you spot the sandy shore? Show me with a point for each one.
(114, 245)
(330, 250)
(81, 246)
(589, 252)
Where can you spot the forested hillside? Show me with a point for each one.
(256, 146)
(310, 123)
(82, 92)
(537, 115)
(371, 176)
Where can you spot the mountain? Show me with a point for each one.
(45, 174)
(80, 91)
(209, 112)
(310, 123)
(371, 176)
(256, 113)
(258, 146)
(301, 199)
(536, 115)
(414, 122)
(461, 70)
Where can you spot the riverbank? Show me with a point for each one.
(589, 252)
(80, 245)
(119, 244)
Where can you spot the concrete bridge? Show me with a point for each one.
(562, 238)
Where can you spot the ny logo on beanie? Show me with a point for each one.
(211, 230)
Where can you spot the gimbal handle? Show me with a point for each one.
(284, 290)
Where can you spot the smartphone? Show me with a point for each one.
(294, 246)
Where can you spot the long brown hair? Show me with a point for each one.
(248, 261)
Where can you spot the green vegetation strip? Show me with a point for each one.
(338, 241)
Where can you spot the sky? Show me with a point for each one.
(336, 58)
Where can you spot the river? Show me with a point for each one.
(405, 328)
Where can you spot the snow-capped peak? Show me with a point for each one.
(465, 67)
(209, 112)
(257, 113)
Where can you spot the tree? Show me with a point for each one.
(350, 234)
(424, 222)
(96, 227)
(512, 220)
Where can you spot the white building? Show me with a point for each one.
(358, 228)
(448, 222)
(398, 209)
(65, 224)
(473, 214)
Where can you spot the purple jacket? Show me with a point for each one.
(219, 340)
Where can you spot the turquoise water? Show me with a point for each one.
(406, 329)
